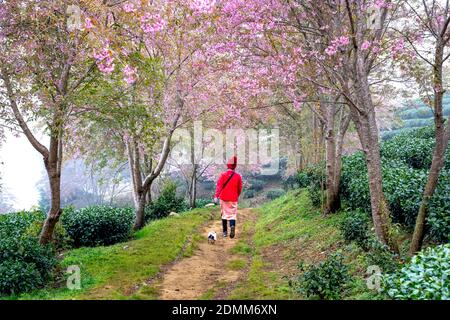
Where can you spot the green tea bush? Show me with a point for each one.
(426, 277)
(415, 152)
(98, 225)
(438, 218)
(166, 203)
(274, 193)
(15, 224)
(378, 254)
(256, 185)
(403, 187)
(311, 176)
(200, 203)
(326, 280)
(355, 227)
(248, 194)
(316, 195)
(24, 263)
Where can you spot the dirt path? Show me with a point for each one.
(192, 277)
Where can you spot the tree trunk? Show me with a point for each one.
(380, 211)
(193, 187)
(363, 115)
(53, 168)
(54, 213)
(139, 204)
(442, 136)
(333, 202)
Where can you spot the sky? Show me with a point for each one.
(21, 170)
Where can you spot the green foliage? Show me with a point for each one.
(256, 185)
(415, 152)
(311, 176)
(248, 194)
(166, 203)
(403, 182)
(426, 277)
(317, 196)
(274, 193)
(200, 203)
(15, 224)
(24, 263)
(438, 218)
(98, 225)
(326, 280)
(380, 255)
(355, 227)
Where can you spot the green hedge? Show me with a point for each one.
(24, 263)
(98, 225)
(403, 187)
(326, 280)
(405, 162)
(166, 203)
(275, 193)
(426, 277)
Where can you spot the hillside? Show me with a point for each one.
(412, 117)
(259, 264)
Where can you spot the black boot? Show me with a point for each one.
(232, 232)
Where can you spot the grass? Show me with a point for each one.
(112, 272)
(289, 232)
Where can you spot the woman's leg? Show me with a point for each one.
(224, 227)
(232, 227)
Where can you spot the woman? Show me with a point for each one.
(228, 190)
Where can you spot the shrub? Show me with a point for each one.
(15, 224)
(24, 264)
(311, 176)
(200, 203)
(256, 185)
(291, 182)
(166, 203)
(325, 280)
(355, 227)
(248, 194)
(438, 218)
(378, 254)
(61, 239)
(415, 152)
(274, 193)
(317, 196)
(403, 187)
(426, 277)
(98, 225)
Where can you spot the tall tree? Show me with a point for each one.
(423, 49)
(44, 62)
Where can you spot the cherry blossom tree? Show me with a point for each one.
(423, 49)
(44, 62)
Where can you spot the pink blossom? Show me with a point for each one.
(398, 48)
(129, 7)
(152, 23)
(105, 60)
(381, 4)
(88, 23)
(130, 74)
(203, 6)
(365, 45)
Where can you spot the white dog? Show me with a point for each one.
(212, 237)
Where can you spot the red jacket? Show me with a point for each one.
(233, 188)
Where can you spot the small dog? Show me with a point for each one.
(212, 237)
